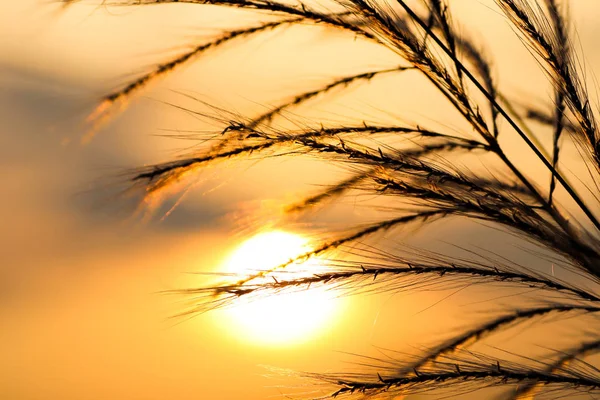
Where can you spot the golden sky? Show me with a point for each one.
(82, 316)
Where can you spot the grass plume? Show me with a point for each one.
(414, 175)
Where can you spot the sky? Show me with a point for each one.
(82, 273)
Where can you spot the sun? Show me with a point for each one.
(280, 319)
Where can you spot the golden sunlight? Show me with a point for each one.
(285, 318)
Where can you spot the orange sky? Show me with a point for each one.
(82, 318)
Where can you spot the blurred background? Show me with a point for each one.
(81, 272)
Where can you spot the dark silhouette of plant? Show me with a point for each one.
(422, 184)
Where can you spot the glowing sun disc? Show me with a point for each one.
(282, 318)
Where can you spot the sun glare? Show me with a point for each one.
(284, 318)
